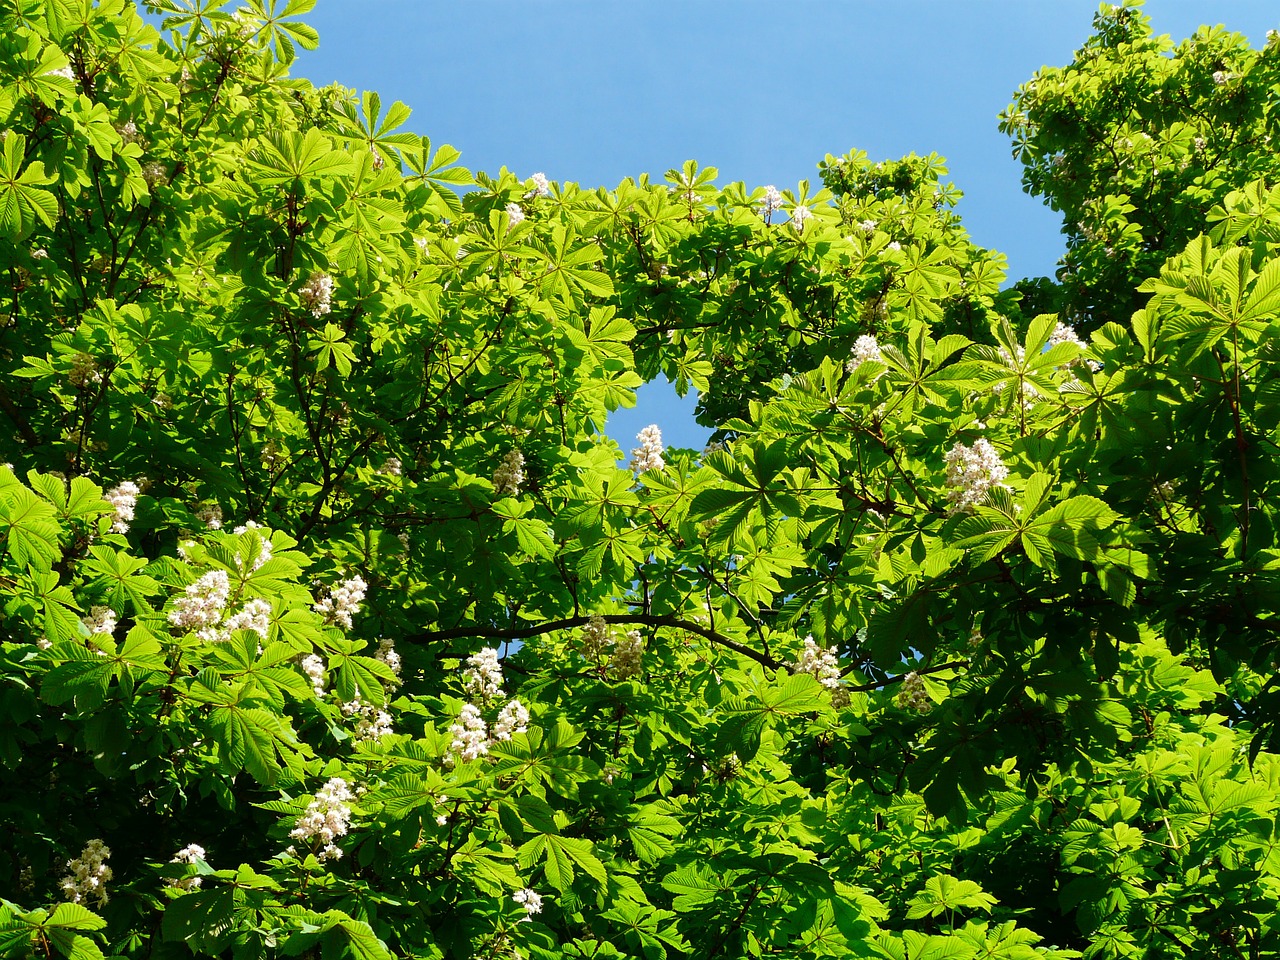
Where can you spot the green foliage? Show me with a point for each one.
(960, 643)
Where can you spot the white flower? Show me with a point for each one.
(254, 615)
(509, 474)
(154, 173)
(715, 446)
(513, 719)
(100, 620)
(40, 253)
(772, 202)
(201, 607)
(912, 695)
(188, 854)
(596, 638)
(868, 226)
(894, 245)
(64, 72)
(386, 652)
(482, 678)
(89, 875)
(648, 456)
(822, 665)
(1065, 333)
(528, 899)
(972, 472)
(313, 666)
(1221, 76)
(628, 656)
(514, 214)
(343, 602)
(326, 818)
(391, 467)
(800, 216)
(211, 516)
(317, 294)
(541, 186)
(123, 498)
(372, 723)
(470, 734)
(864, 348)
(128, 132)
(84, 370)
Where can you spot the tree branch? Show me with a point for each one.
(648, 620)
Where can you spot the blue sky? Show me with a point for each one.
(596, 90)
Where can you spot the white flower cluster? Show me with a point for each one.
(1066, 333)
(317, 294)
(264, 543)
(89, 875)
(800, 216)
(470, 734)
(154, 174)
(512, 719)
(867, 226)
(391, 467)
(372, 723)
(596, 638)
(482, 678)
(201, 607)
(128, 132)
(772, 202)
(211, 516)
(1222, 76)
(509, 475)
(628, 656)
(343, 602)
(625, 657)
(972, 472)
(100, 620)
(541, 186)
(912, 695)
(123, 499)
(64, 72)
(715, 446)
(255, 615)
(326, 818)
(313, 666)
(386, 652)
(822, 665)
(864, 348)
(648, 456)
(188, 854)
(528, 899)
(515, 215)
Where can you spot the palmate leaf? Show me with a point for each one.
(288, 158)
(559, 855)
(545, 758)
(84, 676)
(28, 527)
(22, 201)
(256, 740)
(697, 885)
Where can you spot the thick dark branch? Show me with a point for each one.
(569, 623)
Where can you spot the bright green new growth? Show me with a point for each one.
(960, 643)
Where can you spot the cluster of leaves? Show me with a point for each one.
(1043, 724)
